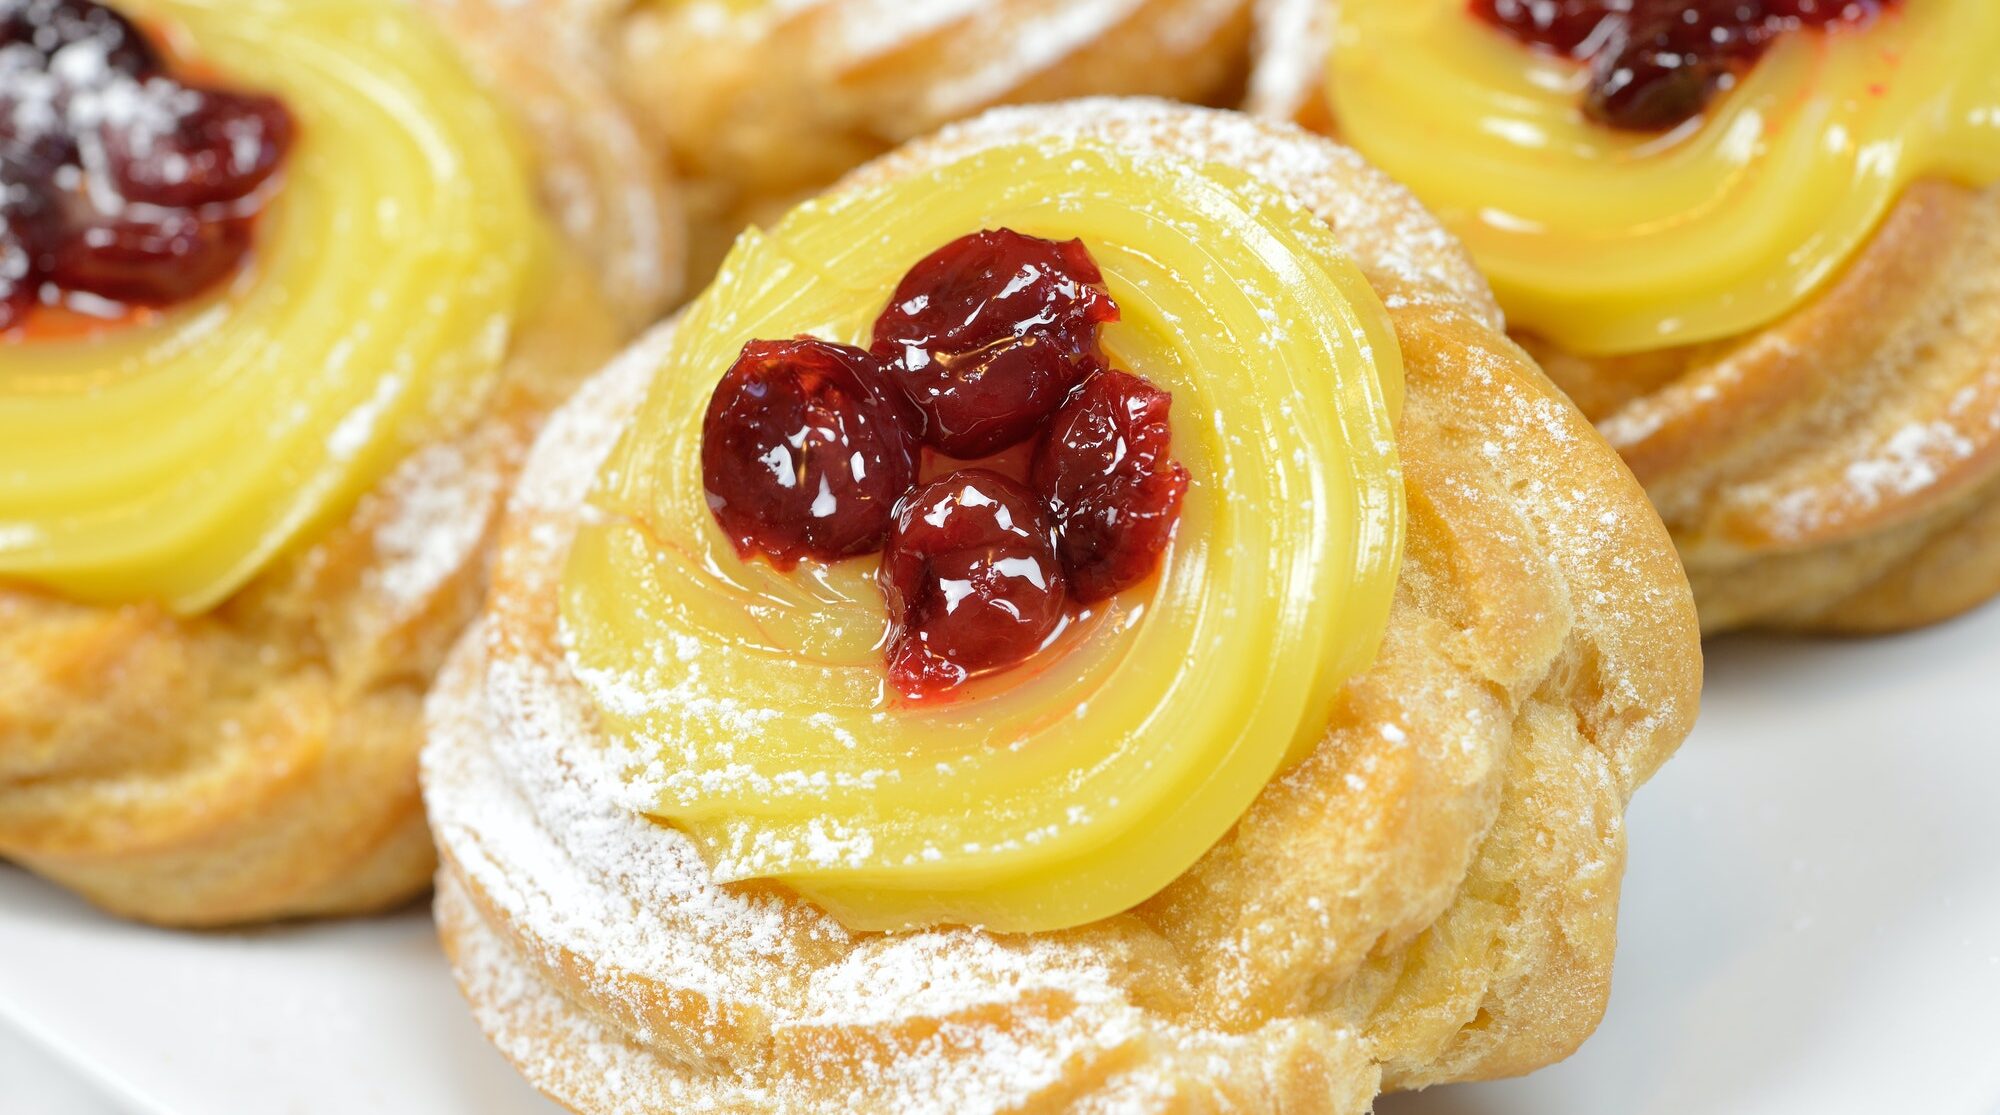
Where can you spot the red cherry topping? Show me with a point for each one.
(813, 449)
(972, 580)
(149, 262)
(119, 180)
(1657, 63)
(47, 26)
(988, 334)
(805, 451)
(221, 148)
(1105, 472)
(29, 228)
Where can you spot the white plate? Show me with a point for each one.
(1811, 926)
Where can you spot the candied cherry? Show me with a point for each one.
(1115, 494)
(972, 579)
(813, 449)
(34, 141)
(220, 149)
(48, 26)
(30, 224)
(1657, 63)
(805, 450)
(989, 333)
(139, 188)
(149, 261)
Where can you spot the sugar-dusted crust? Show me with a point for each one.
(259, 761)
(1839, 470)
(760, 104)
(1836, 471)
(1430, 896)
(1291, 43)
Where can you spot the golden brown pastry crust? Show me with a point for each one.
(259, 761)
(1430, 896)
(760, 104)
(1837, 471)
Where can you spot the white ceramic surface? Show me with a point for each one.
(1811, 927)
(351, 1019)
(33, 1081)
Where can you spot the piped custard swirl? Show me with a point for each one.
(753, 702)
(171, 459)
(1608, 241)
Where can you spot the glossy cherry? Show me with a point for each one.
(166, 213)
(989, 333)
(221, 149)
(33, 143)
(990, 341)
(1115, 493)
(149, 262)
(29, 228)
(805, 451)
(972, 579)
(1657, 63)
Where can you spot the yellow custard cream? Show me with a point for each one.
(171, 460)
(1072, 787)
(1610, 242)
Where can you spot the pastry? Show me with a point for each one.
(1759, 244)
(1243, 723)
(282, 301)
(761, 103)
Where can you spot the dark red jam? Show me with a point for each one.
(121, 184)
(1655, 64)
(990, 344)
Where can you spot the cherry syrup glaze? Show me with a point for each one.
(117, 179)
(972, 579)
(1657, 63)
(805, 450)
(987, 335)
(989, 344)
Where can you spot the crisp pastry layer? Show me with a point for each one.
(1429, 895)
(1834, 470)
(761, 102)
(1839, 470)
(256, 759)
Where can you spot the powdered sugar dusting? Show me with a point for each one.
(444, 501)
(78, 92)
(1884, 466)
(1912, 460)
(1292, 43)
(1405, 252)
